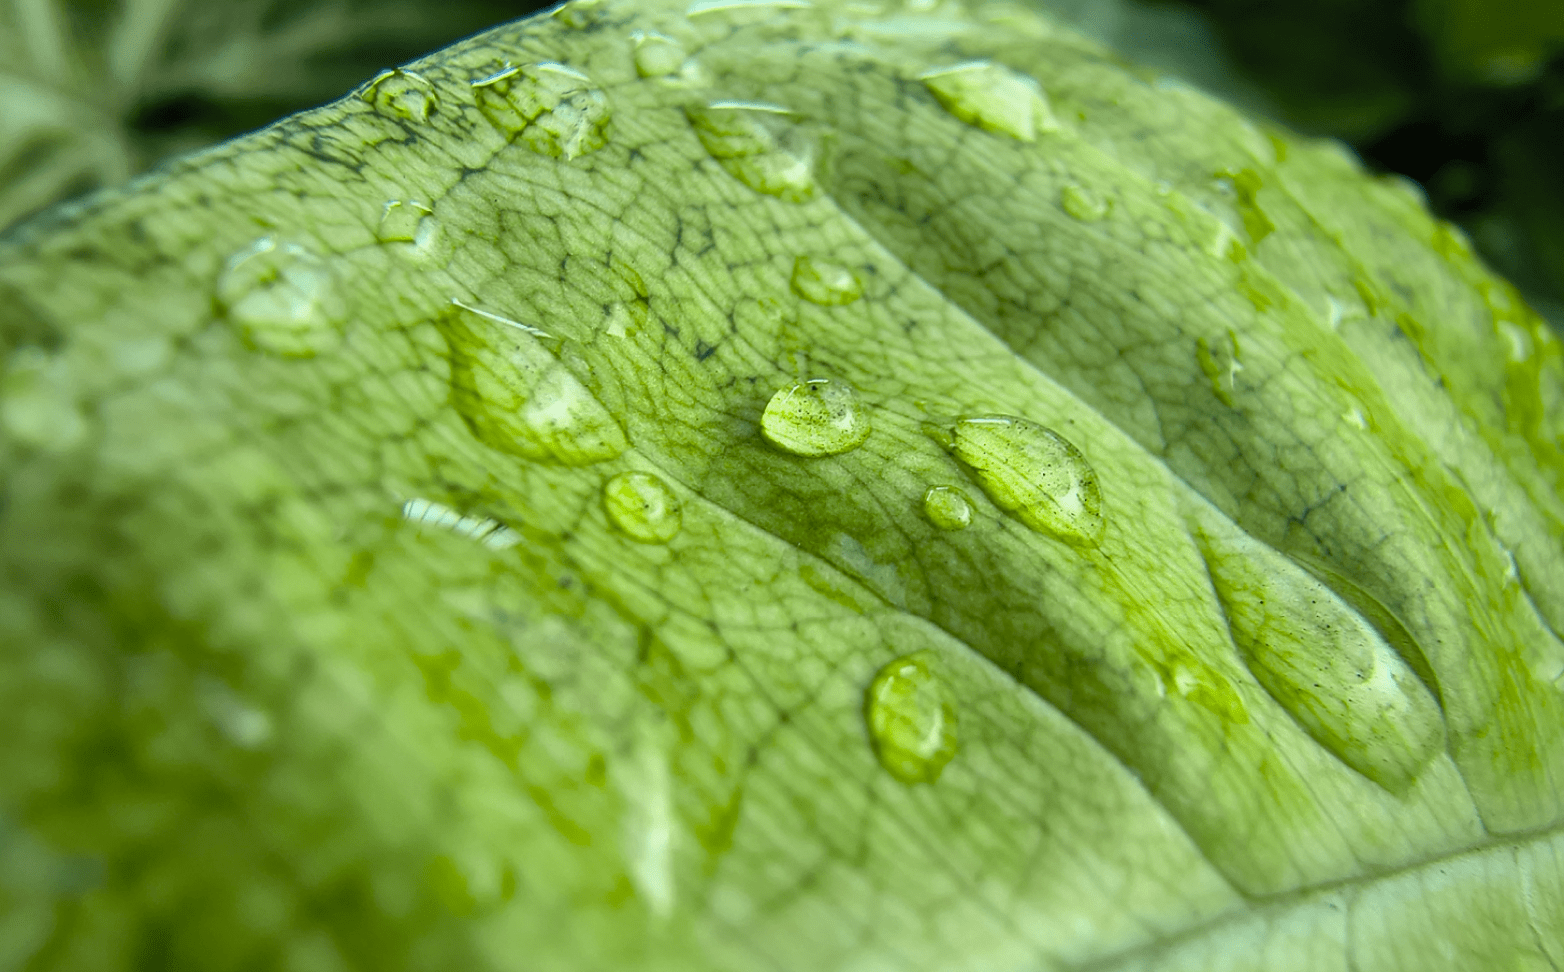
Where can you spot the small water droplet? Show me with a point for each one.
(518, 398)
(405, 94)
(581, 14)
(819, 417)
(1221, 361)
(824, 283)
(702, 8)
(400, 221)
(37, 407)
(491, 533)
(947, 507)
(643, 507)
(657, 55)
(759, 144)
(1034, 472)
(1082, 203)
(992, 97)
(912, 721)
(282, 298)
(550, 108)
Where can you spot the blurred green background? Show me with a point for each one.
(1464, 96)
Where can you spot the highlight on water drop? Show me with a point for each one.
(643, 507)
(911, 719)
(552, 109)
(282, 298)
(819, 417)
(1035, 473)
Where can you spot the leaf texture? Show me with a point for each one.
(458, 526)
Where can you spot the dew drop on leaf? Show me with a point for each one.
(992, 97)
(657, 55)
(947, 507)
(643, 507)
(1033, 472)
(912, 722)
(405, 94)
(581, 14)
(824, 283)
(520, 399)
(1082, 203)
(819, 417)
(552, 109)
(400, 220)
(282, 298)
(758, 144)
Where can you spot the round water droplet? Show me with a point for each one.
(282, 298)
(516, 397)
(405, 94)
(1033, 472)
(820, 417)
(37, 407)
(657, 55)
(550, 108)
(827, 284)
(400, 221)
(992, 97)
(947, 508)
(643, 507)
(912, 722)
(1082, 203)
(759, 144)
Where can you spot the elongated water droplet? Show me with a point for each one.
(282, 298)
(37, 407)
(706, 8)
(947, 508)
(1033, 472)
(1323, 662)
(491, 533)
(759, 144)
(657, 55)
(828, 284)
(550, 108)
(405, 94)
(1082, 203)
(643, 507)
(992, 97)
(819, 417)
(400, 221)
(912, 721)
(518, 398)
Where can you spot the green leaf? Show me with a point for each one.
(770, 485)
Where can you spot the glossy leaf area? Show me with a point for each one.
(257, 716)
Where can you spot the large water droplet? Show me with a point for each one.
(819, 417)
(1082, 203)
(518, 398)
(947, 508)
(550, 108)
(405, 94)
(400, 221)
(912, 722)
(37, 407)
(282, 298)
(992, 97)
(759, 144)
(1033, 472)
(1323, 662)
(643, 507)
(657, 55)
(828, 284)
(491, 533)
